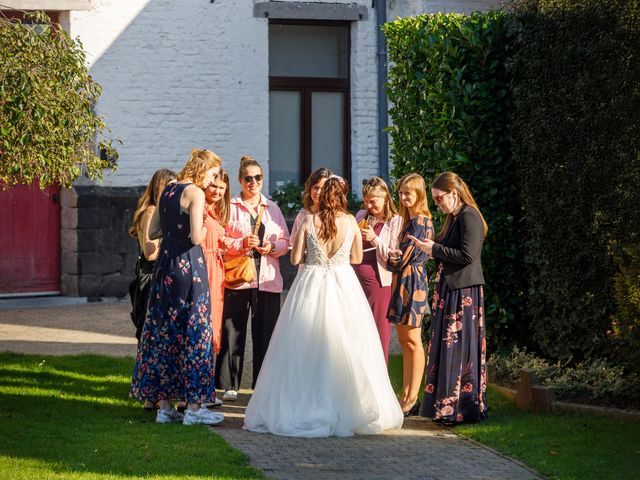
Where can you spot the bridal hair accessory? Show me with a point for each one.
(337, 177)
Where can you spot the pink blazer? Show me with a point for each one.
(390, 230)
(275, 230)
(302, 214)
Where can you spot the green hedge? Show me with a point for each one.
(575, 70)
(449, 106)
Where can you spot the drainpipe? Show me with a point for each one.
(383, 138)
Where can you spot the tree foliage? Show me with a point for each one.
(49, 130)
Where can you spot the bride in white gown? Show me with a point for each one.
(324, 373)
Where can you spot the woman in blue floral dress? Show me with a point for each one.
(456, 379)
(409, 303)
(174, 360)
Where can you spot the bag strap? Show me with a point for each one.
(258, 220)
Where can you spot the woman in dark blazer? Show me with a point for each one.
(456, 380)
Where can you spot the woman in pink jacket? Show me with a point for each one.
(380, 225)
(261, 296)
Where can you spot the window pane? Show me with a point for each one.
(284, 137)
(308, 51)
(327, 131)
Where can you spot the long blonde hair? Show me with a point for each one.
(376, 186)
(221, 208)
(150, 197)
(198, 164)
(415, 183)
(447, 182)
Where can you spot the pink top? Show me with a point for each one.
(382, 242)
(275, 230)
(302, 214)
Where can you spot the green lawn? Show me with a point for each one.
(70, 418)
(567, 447)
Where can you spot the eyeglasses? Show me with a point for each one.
(248, 178)
(438, 198)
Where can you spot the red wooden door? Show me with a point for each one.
(30, 240)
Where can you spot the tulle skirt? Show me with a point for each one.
(324, 373)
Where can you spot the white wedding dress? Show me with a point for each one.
(324, 373)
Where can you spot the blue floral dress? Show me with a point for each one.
(409, 303)
(174, 359)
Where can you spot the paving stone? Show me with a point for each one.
(421, 450)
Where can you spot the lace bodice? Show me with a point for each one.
(316, 256)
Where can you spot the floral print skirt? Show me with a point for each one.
(456, 378)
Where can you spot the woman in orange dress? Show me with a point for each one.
(216, 215)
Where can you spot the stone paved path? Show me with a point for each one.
(421, 450)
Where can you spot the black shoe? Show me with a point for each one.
(413, 411)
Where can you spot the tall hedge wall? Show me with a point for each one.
(575, 70)
(449, 109)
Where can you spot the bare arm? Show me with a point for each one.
(196, 214)
(155, 229)
(299, 242)
(150, 247)
(356, 246)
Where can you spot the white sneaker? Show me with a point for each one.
(216, 403)
(202, 417)
(169, 416)
(230, 395)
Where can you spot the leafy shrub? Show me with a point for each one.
(625, 330)
(576, 127)
(449, 105)
(49, 130)
(596, 381)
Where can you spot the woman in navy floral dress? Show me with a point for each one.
(174, 359)
(409, 303)
(456, 380)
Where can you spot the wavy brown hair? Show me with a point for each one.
(376, 186)
(150, 197)
(447, 182)
(221, 208)
(415, 183)
(314, 178)
(333, 200)
(200, 161)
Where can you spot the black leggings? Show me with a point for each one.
(264, 308)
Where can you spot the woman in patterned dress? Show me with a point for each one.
(174, 358)
(409, 302)
(456, 380)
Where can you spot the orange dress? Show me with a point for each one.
(213, 249)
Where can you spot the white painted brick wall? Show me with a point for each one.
(181, 74)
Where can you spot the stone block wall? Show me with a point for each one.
(98, 255)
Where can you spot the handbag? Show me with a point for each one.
(242, 269)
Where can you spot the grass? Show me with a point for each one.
(70, 418)
(566, 447)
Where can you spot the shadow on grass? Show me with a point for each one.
(74, 414)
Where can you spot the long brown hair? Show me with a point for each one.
(333, 200)
(447, 182)
(314, 178)
(198, 164)
(150, 197)
(376, 186)
(221, 208)
(415, 183)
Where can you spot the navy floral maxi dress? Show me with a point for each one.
(456, 378)
(174, 360)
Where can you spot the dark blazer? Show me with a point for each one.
(460, 250)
